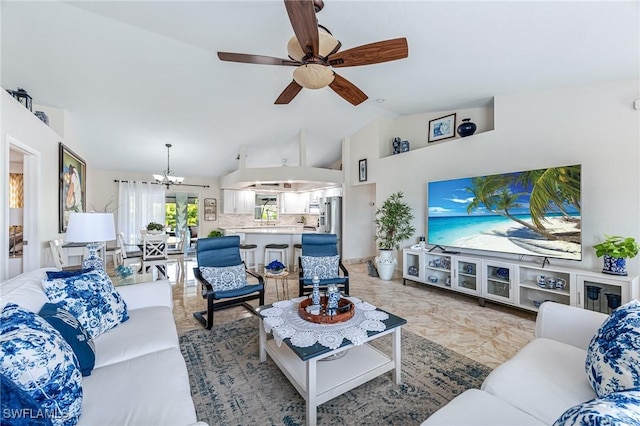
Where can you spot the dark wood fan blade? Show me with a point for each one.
(255, 59)
(348, 90)
(305, 25)
(374, 53)
(288, 93)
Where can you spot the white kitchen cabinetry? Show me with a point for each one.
(294, 202)
(238, 202)
(517, 283)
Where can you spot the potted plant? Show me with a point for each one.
(155, 228)
(393, 225)
(215, 233)
(616, 250)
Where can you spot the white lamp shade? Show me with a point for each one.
(90, 227)
(15, 216)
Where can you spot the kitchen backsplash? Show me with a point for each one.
(241, 221)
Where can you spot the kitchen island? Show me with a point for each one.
(263, 235)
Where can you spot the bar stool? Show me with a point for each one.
(297, 252)
(282, 250)
(245, 251)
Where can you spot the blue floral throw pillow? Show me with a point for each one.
(325, 267)
(35, 357)
(76, 336)
(225, 278)
(613, 356)
(91, 298)
(18, 406)
(615, 409)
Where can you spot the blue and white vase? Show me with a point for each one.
(333, 298)
(93, 261)
(614, 265)
(315, 294)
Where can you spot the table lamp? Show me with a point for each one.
(15, 220)
(94, 229)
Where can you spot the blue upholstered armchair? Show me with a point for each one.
(320, 257)
(222, 275)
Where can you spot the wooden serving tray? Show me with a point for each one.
(343, 305)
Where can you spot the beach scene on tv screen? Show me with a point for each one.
(533, 212)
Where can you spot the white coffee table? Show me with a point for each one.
(319, 382)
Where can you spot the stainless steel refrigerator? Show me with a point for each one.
(330, 219)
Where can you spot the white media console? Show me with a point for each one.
(518, 283)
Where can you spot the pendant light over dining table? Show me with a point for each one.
(167, 178)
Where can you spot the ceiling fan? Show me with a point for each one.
(314, 52)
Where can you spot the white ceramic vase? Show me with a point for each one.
(386, 264)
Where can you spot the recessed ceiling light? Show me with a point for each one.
(380, 100)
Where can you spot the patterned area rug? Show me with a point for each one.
(231, 387)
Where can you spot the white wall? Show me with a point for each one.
(594, 126)
(22, 125)
(103, 189)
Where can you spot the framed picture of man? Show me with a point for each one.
(72, 184)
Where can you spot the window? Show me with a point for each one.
(175, 203)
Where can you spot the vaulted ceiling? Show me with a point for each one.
(134, 75)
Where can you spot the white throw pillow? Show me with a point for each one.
(325, 267)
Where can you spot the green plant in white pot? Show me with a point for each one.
(393, 225)
(616, 250)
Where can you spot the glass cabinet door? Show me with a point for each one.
(467, 275)
(498, 278)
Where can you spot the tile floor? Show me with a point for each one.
(489, 335)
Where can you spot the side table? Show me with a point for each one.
(284, 282)
(132, 279)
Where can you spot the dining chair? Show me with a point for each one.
(320, 257)
(154, 254)
(57, 252)
(176, 254)
(131, 253)
(223, 277)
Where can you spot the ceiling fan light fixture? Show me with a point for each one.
(313, 76)
(327, 43)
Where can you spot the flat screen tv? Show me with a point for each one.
(532, 212)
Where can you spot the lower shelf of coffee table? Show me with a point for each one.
(362, 364)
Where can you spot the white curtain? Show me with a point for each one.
(138, 204)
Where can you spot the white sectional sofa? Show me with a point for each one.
(539, 383)
(140, 376)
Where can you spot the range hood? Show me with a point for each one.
(281, 179)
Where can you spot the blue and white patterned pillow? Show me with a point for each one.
(613, 356)
(35, 357)
(325, 267)
(74, 333)
(91, 298)
(18, 406)
(225, 277)
(615, 409)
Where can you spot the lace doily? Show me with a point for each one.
(283, 321)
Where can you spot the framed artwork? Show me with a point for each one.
(72, 175)
(210, 209)
(362, 167)
(442, 128)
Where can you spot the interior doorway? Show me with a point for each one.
(23, 167)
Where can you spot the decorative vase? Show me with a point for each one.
(614, 265)
(466, 128)
(386, 264)
(396, 145)
(405, 146)
(92, 261)
(613, 300)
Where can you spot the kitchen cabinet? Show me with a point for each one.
(294, 202)
(238, 202)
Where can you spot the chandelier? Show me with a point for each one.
(167, 178)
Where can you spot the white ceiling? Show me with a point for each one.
(135, 75)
